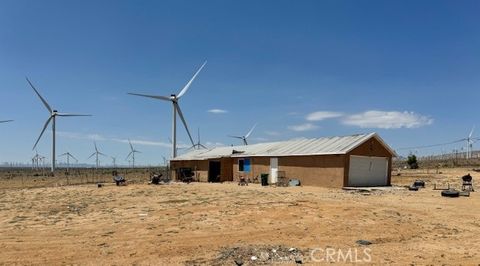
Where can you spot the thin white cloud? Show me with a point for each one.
(260, 139)
(387, 119)
(303, 127)
(146, 142)
(272, 133)
(217, 111)
(211, 144)
(75, 135)
(322, 115)
(98, 137)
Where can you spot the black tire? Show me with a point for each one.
(419, 183)
(450, 193)
(413, 188)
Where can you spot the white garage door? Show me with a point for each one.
(368, 171)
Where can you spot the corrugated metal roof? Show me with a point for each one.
(295, 147)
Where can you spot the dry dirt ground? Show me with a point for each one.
(209, 224)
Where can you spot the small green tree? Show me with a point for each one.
(412, 161)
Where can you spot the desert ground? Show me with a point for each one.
(50, 222)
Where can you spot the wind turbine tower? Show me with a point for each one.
(470, 142)
(69, 155)
(96, 153)
(132, 153)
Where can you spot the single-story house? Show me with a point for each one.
(357, 160)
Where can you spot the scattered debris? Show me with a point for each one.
(155, 179)
(243, 181)
(464, 193)
(298, 260)
(363, 242)
(118, 179)
(260, 254)
(99, 185)
(413, 188)
(294, 182)
(419, 183)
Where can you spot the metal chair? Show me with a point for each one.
(467, 183)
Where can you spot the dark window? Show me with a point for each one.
(241, 164)
(244, 165)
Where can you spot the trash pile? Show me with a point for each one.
(158, 179)
(261, 255)
(416, 185)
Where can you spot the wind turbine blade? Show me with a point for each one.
(203, 146)
(91, 155)
(182, 92)
(237, 137)
(5, 121)
(471, 132)
(165, 98)
(183, 120)
(40, 96)
(63, 154)
(73, 157)
(131, 146)
(43, 130)
(102, 154)
(95, 143)
(67, 114)
(250, 132)
(128, 156)
(137, 151)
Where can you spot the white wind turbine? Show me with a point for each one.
(68, 155)
(36, 160)
(198, 145)
(114, 161)
(244, 138)
(176, 109)
(96, 153)
(132, 154)
(53, 114)
(470, 142)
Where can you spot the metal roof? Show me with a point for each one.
(295, 147)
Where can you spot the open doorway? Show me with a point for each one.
(214, 170)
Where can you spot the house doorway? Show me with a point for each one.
(214, 170)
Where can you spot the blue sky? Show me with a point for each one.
(408, 70)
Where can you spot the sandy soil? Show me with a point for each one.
(203, 223)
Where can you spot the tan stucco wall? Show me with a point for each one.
(200, 169)
(258, 165)
(227, 169)
(325, 171)
(372, 147)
